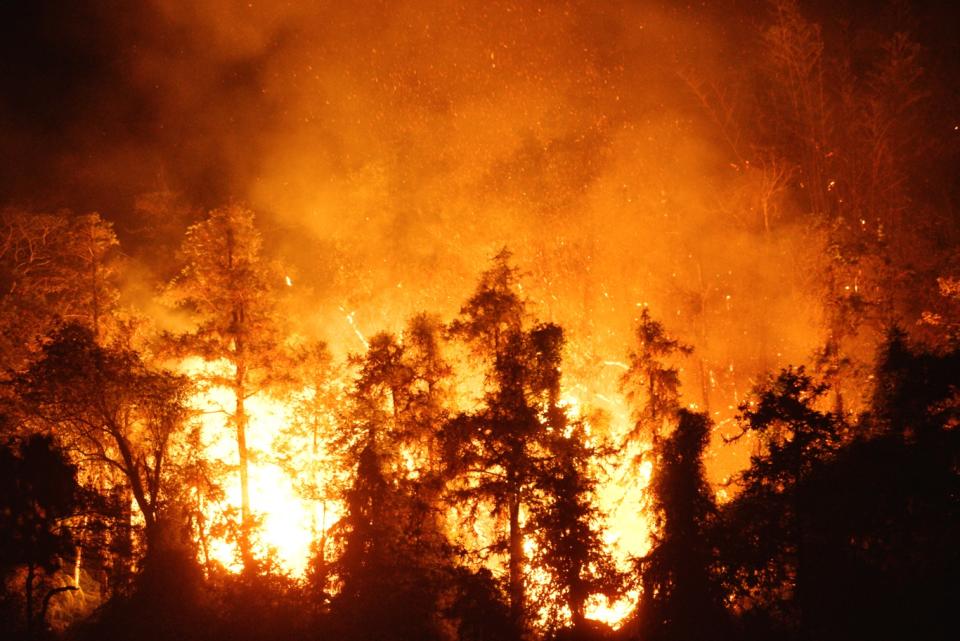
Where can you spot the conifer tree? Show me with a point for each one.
(496, 444)
(394, 561)
(772, 514)
(566, 524)
(564, 519)
(652, 380)
(501, 452)
(231, 292)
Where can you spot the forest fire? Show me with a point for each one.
(479, 321)
(289, 521)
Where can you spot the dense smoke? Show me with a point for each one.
(391, 148)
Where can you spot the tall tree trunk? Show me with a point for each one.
(702, 335)
(78, 558)
(577, 603)
(246, 518)
(122, 542)
(94, 282)
(202, 537)
(320, 560)
(238, 329)
(516, 566)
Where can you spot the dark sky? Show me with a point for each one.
(80, 129)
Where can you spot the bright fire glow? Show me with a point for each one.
(599, 608)
(289, 522)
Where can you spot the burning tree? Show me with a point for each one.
(111, 410)
(568, 527)
(510, 452)
(652, 382)
(682, 597)
(496, 445)
(395, 556)
(230, 291)
(54, 269)
(317, 418)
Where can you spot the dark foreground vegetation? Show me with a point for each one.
(843, 526)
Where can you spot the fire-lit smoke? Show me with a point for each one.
(391, 148)
(392, 151)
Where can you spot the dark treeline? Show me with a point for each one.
(843, 526)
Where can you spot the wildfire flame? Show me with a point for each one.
(289, 522)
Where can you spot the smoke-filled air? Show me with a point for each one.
(479, 321)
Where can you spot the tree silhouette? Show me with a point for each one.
(394, 562)
(38, 495)
(566, 524)
(478, 608)
(564, 519)
(499, 447)
(772, 515)
(682, 598)
(652, 382)
(837, 538)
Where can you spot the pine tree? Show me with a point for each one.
(651, 382)
(769, 553)
(430, 395)
(506, 452)
(231, 292)
(497, 443)
(566, 524)
(395, 560)
(564, 520)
